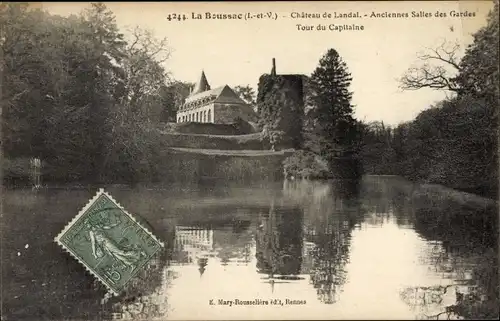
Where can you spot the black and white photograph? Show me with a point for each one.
(239, 160)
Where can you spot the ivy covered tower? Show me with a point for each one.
(280, 102)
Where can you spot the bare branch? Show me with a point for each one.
(436, 70)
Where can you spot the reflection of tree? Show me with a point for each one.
(332, 212)
(143, 298)
(377, 200)
(279, 241)
(467, 253)
(329, 259)
(461, 246)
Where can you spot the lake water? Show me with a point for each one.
(378, 248)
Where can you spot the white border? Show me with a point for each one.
(68, 226)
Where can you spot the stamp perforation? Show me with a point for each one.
(82, 212)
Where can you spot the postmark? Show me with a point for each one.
(111, 243)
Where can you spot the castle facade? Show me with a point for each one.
(219, 106)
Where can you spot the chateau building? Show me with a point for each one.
(220, 105)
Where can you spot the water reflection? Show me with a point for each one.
(279, 241)
(465, 251)
(333, 213)
(376, 248)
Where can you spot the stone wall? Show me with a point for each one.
(239, 128)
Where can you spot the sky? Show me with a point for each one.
(237, 52)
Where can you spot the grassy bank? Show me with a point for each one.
(192, 165)
(222, 142)
(307, 165)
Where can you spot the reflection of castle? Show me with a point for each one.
(279, 242)
(193, 244)
(307, 256)
(198, 238)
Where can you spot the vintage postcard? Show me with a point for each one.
(249, 160)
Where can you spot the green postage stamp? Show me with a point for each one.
(109, 242)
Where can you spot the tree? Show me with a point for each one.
(377, 153)
(18, 68)
(455, 143)
(476, 73)
(437, 69)
(330, 124)
(174, 96)
(146, 79)
(246, 93)
(479, 66)
(75, 94)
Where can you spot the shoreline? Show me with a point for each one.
(433, 191)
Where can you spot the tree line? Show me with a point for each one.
(78, 94)
(455, 141)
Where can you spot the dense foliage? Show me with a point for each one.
(281, 109)
(79, 95)
(455, 142)
(329, 129)
(305, 164)
(246, 93)
(330, 125)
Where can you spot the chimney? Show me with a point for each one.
(273, 71)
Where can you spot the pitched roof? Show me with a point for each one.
(201, 86)
(223, 94)
(228, 96)
(205, 94)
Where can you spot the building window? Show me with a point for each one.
(209, 116)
